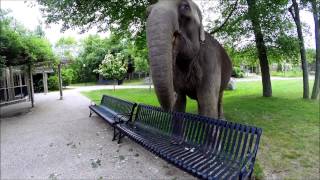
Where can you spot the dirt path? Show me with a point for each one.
(57, 140)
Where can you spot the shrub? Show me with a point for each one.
(237, 72)
(67, 76)
(53, 83)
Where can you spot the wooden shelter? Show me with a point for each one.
(16, 83)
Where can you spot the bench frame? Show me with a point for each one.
(247, 166)
(117, 118)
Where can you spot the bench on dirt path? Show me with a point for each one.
(206, 148)
(113, 110)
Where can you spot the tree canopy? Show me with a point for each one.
(19, 45)
(252, 30)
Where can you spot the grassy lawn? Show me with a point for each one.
(84, 84)
(287, 74)
(289, 147)
(126, 82)
(133, 82)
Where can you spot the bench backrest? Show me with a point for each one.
(117, 105)
(232, 140)
(154, 118)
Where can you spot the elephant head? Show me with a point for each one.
(166, 20)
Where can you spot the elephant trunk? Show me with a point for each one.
(161, 24)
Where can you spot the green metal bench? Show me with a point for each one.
(113, 110)
(206, 148)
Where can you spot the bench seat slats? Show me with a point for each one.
(104, 113)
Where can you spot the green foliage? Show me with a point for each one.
(141, 65)
(237, 72)
(94, 49)
(140, 56)
(311, 55)
(118, 15)
(286, 49)
(112, 67)
(67, 76)
(18, 45)
(287, 73)
(276, 26)
(66, 41)
(242, 56)
(39, 31)
(53, 83)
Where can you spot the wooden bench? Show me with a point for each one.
(206, 148)
(113, 110)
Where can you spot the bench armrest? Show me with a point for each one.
(247, 166)
(93, 101)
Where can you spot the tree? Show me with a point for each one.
(20, 46)
(140, 56)
(71, 41)
(316, 17)
(260, 23)
(39, 31)
(294, 11)
(261, 48)
(119, 15)
(112, 67)
(94, 48)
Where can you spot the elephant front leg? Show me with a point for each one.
(180, 104)
(220, 106)
(208, 105)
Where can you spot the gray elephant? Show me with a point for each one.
(184, 59)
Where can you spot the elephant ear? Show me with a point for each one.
(198, 16)
(149, 9)
(202, 33)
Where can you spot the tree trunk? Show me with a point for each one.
(316, 85)
(60, 81)
(304, 65)
(31, 85)
(261, 48)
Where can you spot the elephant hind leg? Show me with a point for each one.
(220, 106)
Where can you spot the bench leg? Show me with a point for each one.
(250, 175)
(90, 113)
(120, 137)
(115, 134)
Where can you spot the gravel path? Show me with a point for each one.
(57, 140)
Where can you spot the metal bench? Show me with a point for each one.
(113, 110)
(206, 148)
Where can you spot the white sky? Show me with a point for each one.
(31, 16)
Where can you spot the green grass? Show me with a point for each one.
(287, 74)
(84, 84)
(133, 82)
(289, 146)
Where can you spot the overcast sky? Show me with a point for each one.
(30, 17)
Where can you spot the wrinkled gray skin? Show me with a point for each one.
(184, 60)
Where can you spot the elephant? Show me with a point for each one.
(184, 59)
